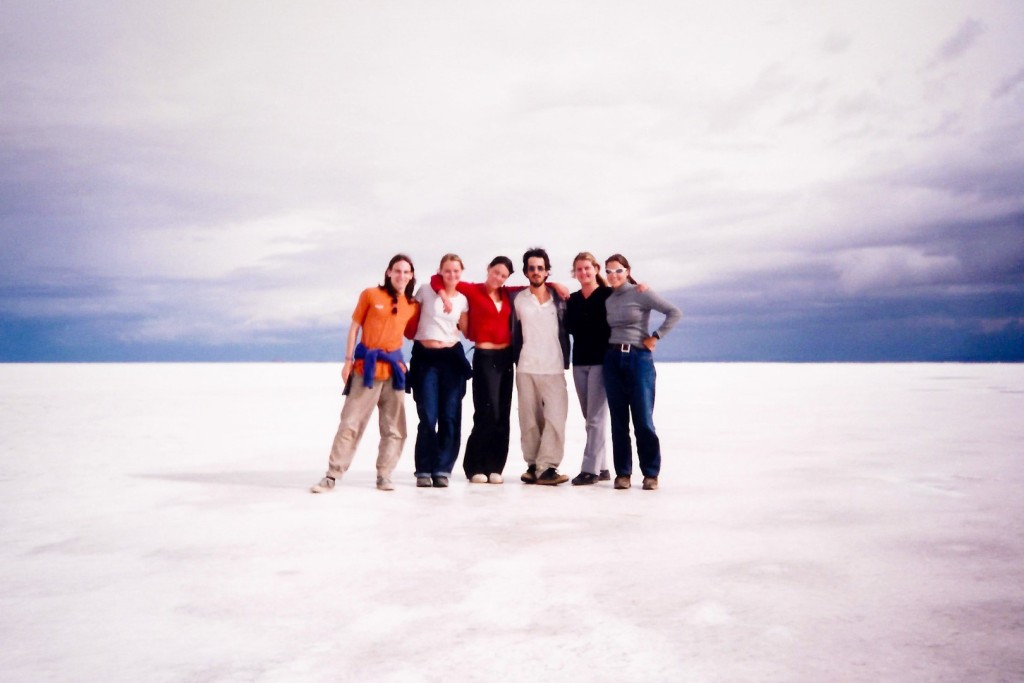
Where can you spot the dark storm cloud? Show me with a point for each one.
(973, 312)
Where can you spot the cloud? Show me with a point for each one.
(882, 269)
(1009, 84)
(966, 37)
(197, 174)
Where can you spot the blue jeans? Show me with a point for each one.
(629, 382)
(439, 388)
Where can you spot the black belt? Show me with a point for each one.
(626, 348)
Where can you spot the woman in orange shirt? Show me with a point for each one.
(374, 373)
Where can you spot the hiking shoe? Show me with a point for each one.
(384, 484)
(584, 478)
(622, 482)
(650, 483)
(551, 477)
(478, 479)
(440, 482)
(494, 478)
(604, 476)
(326, 485)
(530, 475)
(423, 482)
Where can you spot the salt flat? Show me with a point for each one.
(815, 523)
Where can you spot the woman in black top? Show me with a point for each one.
(588, 325)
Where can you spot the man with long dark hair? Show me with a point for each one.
(384, 315)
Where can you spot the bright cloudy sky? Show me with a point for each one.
(218, 180)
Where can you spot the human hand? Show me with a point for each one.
(561, 290)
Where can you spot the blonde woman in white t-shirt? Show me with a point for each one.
(438, 371)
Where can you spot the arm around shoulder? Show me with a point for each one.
(561, 290)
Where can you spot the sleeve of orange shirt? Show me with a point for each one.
(359, 315)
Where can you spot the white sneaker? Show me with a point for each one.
(478, 479)
(384, 484)
(495, 478)
(326, 485)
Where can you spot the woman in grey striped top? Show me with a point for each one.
(629, 374)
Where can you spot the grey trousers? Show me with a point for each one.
(589, 381)
(543, 410)
(355, 415)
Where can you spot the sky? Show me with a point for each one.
(218, 180)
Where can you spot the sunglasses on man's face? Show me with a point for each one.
(535, 269)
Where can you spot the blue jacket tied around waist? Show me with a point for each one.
(370, 358)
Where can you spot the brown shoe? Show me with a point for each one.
(551, 477)
(622, 482)
(650, 483)
(529, 476)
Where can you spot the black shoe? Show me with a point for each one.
(440, 482)
(604, 476)
(551, 477)
(530, 475)
(584, 478)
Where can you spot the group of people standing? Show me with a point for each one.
(526, 327)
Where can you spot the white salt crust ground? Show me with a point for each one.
(815, 523)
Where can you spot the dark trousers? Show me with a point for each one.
(487, 447)
(629, 382)
(439, 384)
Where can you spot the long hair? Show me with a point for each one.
(390, 288)
(587, 256)
(619, 258)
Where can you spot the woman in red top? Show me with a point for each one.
(490, 330)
